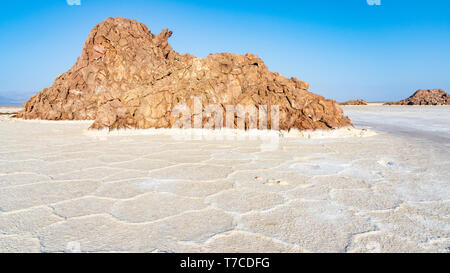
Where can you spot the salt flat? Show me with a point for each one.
(65, 189)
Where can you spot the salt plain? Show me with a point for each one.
(385, 189)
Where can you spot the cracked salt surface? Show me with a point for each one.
(380, 190)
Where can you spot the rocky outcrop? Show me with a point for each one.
(354, 102)
(425, 97)
(127, 77)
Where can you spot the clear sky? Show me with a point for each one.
(344, 48)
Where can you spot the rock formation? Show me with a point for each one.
(354, 102)
(425, 97)
(127, 77)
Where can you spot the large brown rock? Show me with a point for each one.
(128, 77)
(425, 97)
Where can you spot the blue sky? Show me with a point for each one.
(345, 48)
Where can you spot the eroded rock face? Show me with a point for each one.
(354, 102)
(425, 97)
(127, 77)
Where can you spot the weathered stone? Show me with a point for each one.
(425, 97)
(354, 102)
(128, 77)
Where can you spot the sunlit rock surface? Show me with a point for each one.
(127, 77)
(425, 97)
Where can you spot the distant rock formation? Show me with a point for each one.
(425, 97)
(354, 102)
(127, 77)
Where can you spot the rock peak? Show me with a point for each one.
(128, 77)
